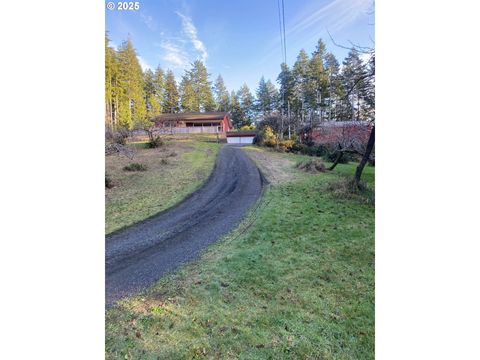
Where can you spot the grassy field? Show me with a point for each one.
(173, 171)
(294, 281)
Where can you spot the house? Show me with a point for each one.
(194, 122)
(240, 137)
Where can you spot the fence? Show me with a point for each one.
(190, 130)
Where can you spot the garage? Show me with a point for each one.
(240, 137)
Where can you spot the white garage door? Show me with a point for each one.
(240, 140)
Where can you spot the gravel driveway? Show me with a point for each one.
(138, 256)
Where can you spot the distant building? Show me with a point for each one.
(329, 132)
(241, 137)
(194, 122)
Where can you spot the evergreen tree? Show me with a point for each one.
(267, 97)
(286, 81)
(188, 99)
(111, 85)
(221, 95)
(170, 104)
(131, 83)
(153, 105)
(159, 84)
(246, 104)
(317, 85)
(301, 87)
(202, 87)
(336, 92)
(238, 116)
(353, 75)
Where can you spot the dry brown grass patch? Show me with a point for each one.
(312, 166)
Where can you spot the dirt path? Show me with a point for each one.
(138, 256)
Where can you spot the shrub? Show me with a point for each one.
(164, 161)
(312, 166)
(135, 167)
(308, 150)
(267, 137)
(286, 145)
(247, 127)
(108, 182)
(155, 142)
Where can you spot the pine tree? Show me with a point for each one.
(300, 88)
(353, 75)
(336, 91)
(246, 104)
(170, 104)
(202, 87)
(267, 97)
(286, 81)
(151, 99)
(188, 99)
(131, 83)
(317, 84)
(221, 95)
(159, 84)
(238, 116)
(111, 85)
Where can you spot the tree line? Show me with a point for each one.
(314, 89)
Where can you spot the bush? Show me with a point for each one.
(135, 167)
(312, 166)
(108, 182)
(164, 161)
(286, 145)
(308, 150)
(247, 127)
(155, 142)
(267, 137)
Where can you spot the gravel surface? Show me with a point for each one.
(138, 256)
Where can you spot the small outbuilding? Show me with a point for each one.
(240, 137)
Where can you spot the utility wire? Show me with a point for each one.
(281, 30)
(284, 37)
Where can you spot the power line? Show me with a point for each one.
(281, 32)
(284, 37)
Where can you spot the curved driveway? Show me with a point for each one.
(137, 256)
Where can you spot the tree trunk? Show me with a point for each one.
(337, 160)
(366, 156)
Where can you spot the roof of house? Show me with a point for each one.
(191, 116)
(241, 133)
(341, 123)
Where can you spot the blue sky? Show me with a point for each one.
(238, 39)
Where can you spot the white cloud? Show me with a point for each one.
(190, 31)
(174, 55)
(148, 20)
(334, 16)
(143, 63)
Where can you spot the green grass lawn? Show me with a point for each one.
(173, 171)
(294, 281)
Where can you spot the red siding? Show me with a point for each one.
(332, 134)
